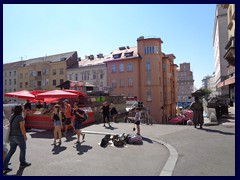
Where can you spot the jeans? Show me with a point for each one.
(14, 142)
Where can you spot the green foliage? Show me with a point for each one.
(205, 92)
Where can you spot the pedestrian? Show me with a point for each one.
(113, 112)
(136, 119)
(197, 108)
(17, 137)
(68, 115)
(57, 118)
(105, 113)
(38, 105)
(45, 106)
(79, 118)
(27, 105)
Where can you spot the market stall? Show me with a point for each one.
(41, 118)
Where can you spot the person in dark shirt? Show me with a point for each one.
(113, 112)
(18, 138)
(105, 112)
(27, 105)
(79, 118)
(39, 105)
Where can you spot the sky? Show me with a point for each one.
(31, 31)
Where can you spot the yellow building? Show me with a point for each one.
(45, 73)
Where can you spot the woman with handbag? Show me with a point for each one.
(17, 137)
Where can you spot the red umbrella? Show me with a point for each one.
(20, 94)
(57, 94)
(35, 92)
(46, 100)
(75, 92)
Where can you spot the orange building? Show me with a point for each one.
(139, 71)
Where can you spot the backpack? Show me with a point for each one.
(133, 139)
(105, 140)
(85, 116)
(63, 116)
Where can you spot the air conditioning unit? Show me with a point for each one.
(122, 48)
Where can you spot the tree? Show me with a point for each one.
(206, 92)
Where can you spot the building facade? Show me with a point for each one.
(10, 79)
(91, 70)
(220, 38)
(230, 53)
(185, 83)
(205, 82)
(138, 72)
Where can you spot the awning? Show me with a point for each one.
(228, 81)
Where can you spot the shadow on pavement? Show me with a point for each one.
(217, 131)
(69, 137)
(58, 148)
(82, 148)
(45, 134)
(19, 172)
(147, 140)
(110, 127)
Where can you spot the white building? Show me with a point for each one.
(220, 38)
(91, 70)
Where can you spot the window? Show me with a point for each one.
(61, 71)
(39, 83)
(61, 81)
(5, 91)
(26, 75)
(15, 81)
(21, 84)
(54, 72)
(76, 77)
(14, 90)
(54, 82)
(151, 50)
(15, 73)
(6, 74)
(21, 75)
(94, 75)
(26, 84)
(10, 73)
(148, 66)
(115, 56)
(130, 82)
(164, 67)
(128, 54)
(114, 69)
(32, 83)
(121, 82)
(130, 67)
(10, 82)
(149, 95)
(101, 76)
(121, 68)
(39, 73)
(5, 82)
(114, 83)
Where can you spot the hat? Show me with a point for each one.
(65, 100)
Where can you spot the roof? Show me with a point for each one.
(52, 58)
(122, 54)
(13, 65)
(88, 62)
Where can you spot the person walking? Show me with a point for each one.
(67, 112)
(79, 118)
(113, 112)
(197, 108)
(17, 137)
(136, 119)
(57, 118)
(105, 113)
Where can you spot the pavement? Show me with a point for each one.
(167, 150)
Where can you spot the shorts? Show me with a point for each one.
(137, 122)
(78, 124)
(57, 123)
(68, 121)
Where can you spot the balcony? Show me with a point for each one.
(38, 77)
(230, 51)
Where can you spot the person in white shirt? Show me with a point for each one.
(136, 119)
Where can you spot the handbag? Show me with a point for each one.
(6, 133)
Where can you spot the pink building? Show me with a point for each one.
(145, 72)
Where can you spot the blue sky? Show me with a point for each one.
(31, 31)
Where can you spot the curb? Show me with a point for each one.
(171, 161)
